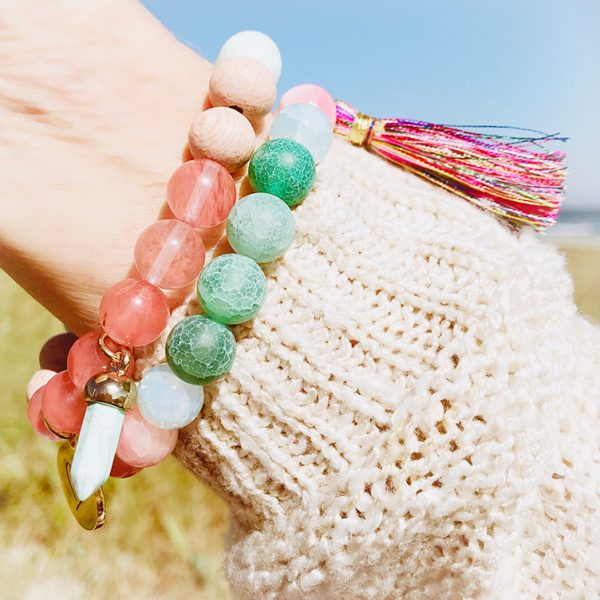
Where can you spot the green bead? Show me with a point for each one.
(232, 288)
(200, 350)
(261, 226)
(284, 168)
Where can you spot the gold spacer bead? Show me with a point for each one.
(60, 434)
(111, 388)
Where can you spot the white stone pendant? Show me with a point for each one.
(108, 396)
(96, 448)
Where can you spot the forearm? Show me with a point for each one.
(94, 109)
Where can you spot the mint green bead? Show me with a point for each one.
(232, 288)
(261, 226)
(284, 168)
(200, 350)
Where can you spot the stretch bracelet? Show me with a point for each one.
(86, 396)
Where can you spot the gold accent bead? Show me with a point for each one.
(60, 434)
(111, 388)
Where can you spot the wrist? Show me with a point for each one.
(96, 117)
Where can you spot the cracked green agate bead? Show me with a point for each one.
(200, 350)
(261, 226)
(284, 168)
(232, 288)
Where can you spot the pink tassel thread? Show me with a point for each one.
(500, 173)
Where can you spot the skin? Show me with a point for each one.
(96, 99)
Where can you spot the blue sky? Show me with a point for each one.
(532, 63)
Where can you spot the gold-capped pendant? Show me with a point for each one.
(90, 513)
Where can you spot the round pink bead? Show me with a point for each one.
(122, 469)
(169, 254)
(309, 93)
(39, 379)
(63, 404)
(201, 192)
(134, 312)
(53, 354)
(142, 444)
(36, 416)
(85, 358)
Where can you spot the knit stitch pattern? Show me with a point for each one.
(414, 411)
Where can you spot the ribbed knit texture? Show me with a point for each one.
(414, 413)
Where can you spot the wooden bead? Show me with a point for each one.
(223, 135)
(244, 84)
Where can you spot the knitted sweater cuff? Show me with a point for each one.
(413, 413)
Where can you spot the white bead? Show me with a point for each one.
(166, 401)
(256, 45)
(38, 379)
(307, 125)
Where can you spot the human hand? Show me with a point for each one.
(95, 105)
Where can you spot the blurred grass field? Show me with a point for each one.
(164, 532)
(164, 529)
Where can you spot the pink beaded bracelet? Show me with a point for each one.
(85, 394)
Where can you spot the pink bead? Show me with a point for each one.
(142, 444)
(63, 404)
(53, 354)
(169, 254)
(134, 312)
(201, 193)
(309, 93)
(39, 379)
(122, 469)
(85, 358)
(36, 416)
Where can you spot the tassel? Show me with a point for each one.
(497, 172)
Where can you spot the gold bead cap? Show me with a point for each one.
(111, 388)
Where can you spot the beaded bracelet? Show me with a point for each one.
(89, 397)
(86, 395)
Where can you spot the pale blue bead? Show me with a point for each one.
(306, 124)
(261, 226)
(167, 401)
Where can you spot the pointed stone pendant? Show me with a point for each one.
(90, 513)
(108, 396)
(96, 448)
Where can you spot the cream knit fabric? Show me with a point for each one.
(415, 411)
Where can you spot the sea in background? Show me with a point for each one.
(577, 227)
(577, 234)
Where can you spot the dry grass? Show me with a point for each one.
(584, 264)
(164, 535)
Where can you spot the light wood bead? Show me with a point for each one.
(243, 83)
(223, 135)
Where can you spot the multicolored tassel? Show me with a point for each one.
(510, 175)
